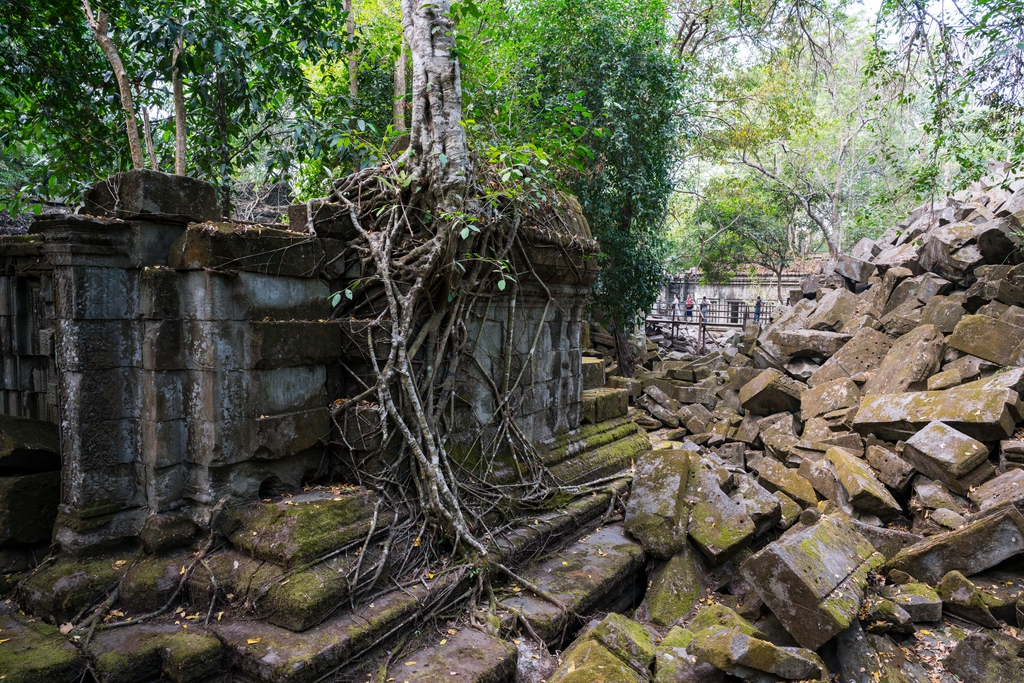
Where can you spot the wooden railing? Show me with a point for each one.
(727, 314)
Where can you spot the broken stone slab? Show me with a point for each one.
(909, 363)
(774, 476)
(673, 664)
(587, 661)
(62, 589)
(833, 310)
(476, 656)
(887, 540)
(947, 519)
(813, 578)
(632, 387)
(142, 192)
(978, 658)
(863, 490)
(771, 392)
(675, 587)
(892, 470)
(947, 379)
(981, 544)
(943, 313)
(812, 343)
(760, 505)
(855, 269)
(941, 452)
(36, 652)
(718, 525)
(657, 411)
(598, 405)
(593, 373)
(663, 399)
(993, 296)
(919, 600)
(829, 396)
(739, 654)
(657, 512)
(1006, 488)
(864, 352)
(933, 495)
(874, 658)
(28, 445)
(153, 651)
(988, 338)
(963, 599)
(985, 415)
(825, 479)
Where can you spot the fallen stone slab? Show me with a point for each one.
(675, 587)
(829, 396)
(963, 599)
(919, 600)
(978, 658)
(864, 352)
(658, 411)
(1006, 488)
(825, 480)
(774, 476)
(587, 661)
(666, 401)
(914, 358)
(673, 664)
(981, 544)
(812, 343)
(892, 470)
(941, 452)
(599, 405)
(718, 525)
(942, 313)
(863, 490)
(833, 310)
(759, 504)
(813, 579)
(657, 512)
(985, 415)
(626, 639)
(739, 654)
(152, 651)
(771, 392)
(988, 338)
(35, 652)
(855, 269)
(888, 541)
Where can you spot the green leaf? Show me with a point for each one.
(501, 285)
(464, 233)
(348, 294)
(442, 158)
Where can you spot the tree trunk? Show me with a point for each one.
(398, 108)
(353, 63)
(147, 131)
(180, 136)
(437, 140)
(624, 355)
(225, 157)
(100, 24)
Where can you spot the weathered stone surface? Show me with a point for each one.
(941, 452)
(813, 579)
(933, 495)
(137, 193)
(944, 380)
(598, 405)
(979, 545)
(28, 507)
(909, 363)
(963, 599)
(474, 655)
(985, 415)
(834, 309)
(718, 525)
(864, 352)
(675, 587)
(759, 504)
(854, 268)
(978, 658)
(988, 338)
(626, 639)
(167, 530)
(62, 589)
(893, 471)
(593, 373)
(774, 476)
(863, 490)
(918, 600)
(825, 479)
(673, 664)
(36, 653)
(156, 650)
(997, 240)
(587, 661)
(812, 343)
(1006, 488)
(943, 313)
(771, 392)
(736, 653)
(657, 512)
(658, 411)
(829, 396)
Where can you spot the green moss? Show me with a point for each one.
(36, 653)
(626, 639)
(677, 637)
(588, 662)
(190, 656)
(717, 616)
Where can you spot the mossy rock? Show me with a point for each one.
(308, 525)
(674, 588)
(657, 513)
(190, 656)
(63, 589)
(718, 525)
(150, 581)
(587, 661)
(963, 599)
(626, 639)
(36, 653)
(736, 653)
(716, 616)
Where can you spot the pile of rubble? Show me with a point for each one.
(840, 493)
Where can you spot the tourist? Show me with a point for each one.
(675, 306)
(757, 310)
(689, 308)
(704, 308)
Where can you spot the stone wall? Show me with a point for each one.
(188, 361)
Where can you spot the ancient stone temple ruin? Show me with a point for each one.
(838, 495)
(161, 367)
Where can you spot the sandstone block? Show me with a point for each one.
(963, 599)
(1006, 488)
(893, 471)
(593, 373)
(980, 659)
(907, 366)
(981, 544)
(657, 512)
(863, 490)
(988, 338)
(982, 414)
(941, 452)
(854, 268)
(864, 352)
(599, 405)
(718, 525)
(942, 313)
(771, 392)
(918, 600)
(834, 309)
(774, 476)
(811, 343)
(675, 587)
(825, 398)
(738, 653)
(137, 193)
(813, 579)
(37, 653)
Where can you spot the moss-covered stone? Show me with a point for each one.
(598, 405)
(735, 652)
(963, 599)
(36, 653)
(716, 617)
(673, 589)
(918, 600)
(62, 590)
(190, 656)
(718, 525)
(150, 581)
(308, 525)
(626, 639)
(657, 512)
(775, 476)
(587, 661)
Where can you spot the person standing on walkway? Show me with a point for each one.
(757, 310)
(705, 307)
(675, 306)
(689, 308)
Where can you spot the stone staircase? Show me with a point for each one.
(284, 611)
